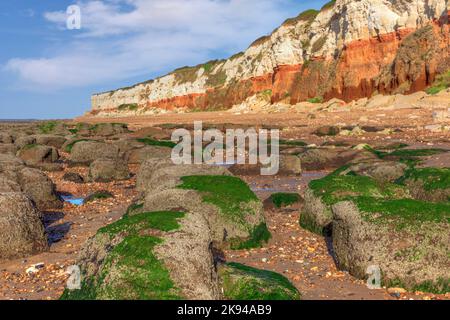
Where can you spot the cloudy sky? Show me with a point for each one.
(48, 71)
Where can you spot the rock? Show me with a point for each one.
(21, 230)
(98, 195)
(240, 282)
(138, 156)
(127, 144)
(10, 165)
(50, 140)
(73, 177)
(107, 170)
(147, 170)
(35, 268)
(380, 101)
(382, 171)
(7, 185)
(290, 165)
(396, 291)
(39, 188)
(440, 116)
(8, 148)
(319, 159)
(327, 131)
(412, 252)
(23, 141)
(428, 184)
(86, 152)
(36, 154)
(108, 129)
(152, 178)
(5, 137)
(315, 215)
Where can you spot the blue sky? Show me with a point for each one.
(49, 72)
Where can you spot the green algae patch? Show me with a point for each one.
(99, 195)
(336, 187)
(47, 127)
(296, 143)
(281, 200)
(431, 178)
(241, 282)
(236, 203)
(226, 192)
(405, 212)
(408, 156)
(134, 209)
(163, 221)
(258, 237)
(130, 271)
(158, 143)
(440, 286)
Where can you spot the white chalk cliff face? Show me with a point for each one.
(348, 50)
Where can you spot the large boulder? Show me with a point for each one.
(108, 129)
(319, 159)
(86, 152)
(408, 240)
(107, 170)
(290, 165)
(241, 282)
(10, 165)
(428, 184)
(39, 188)
(21, 230)
(138, 156)
(169, 249)
(23, 141)
(382, 171)
(8, 148)
(341, 185)
(51, 140)
(153, 177)
(127, 144)
(37, 154)
(6, 137)
(8, 185)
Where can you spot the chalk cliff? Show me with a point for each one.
(348, 50)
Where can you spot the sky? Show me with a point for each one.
(48, 71)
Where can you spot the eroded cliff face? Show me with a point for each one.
(349, 49)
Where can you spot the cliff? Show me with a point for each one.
(348, 50)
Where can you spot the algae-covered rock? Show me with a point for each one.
(21, 230)
(428, 184)
(340, 185)
(407, 239)
(240, 282)
(235, 215)
(120, 263)
(86, 152)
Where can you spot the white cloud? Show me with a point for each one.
(120, 39)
